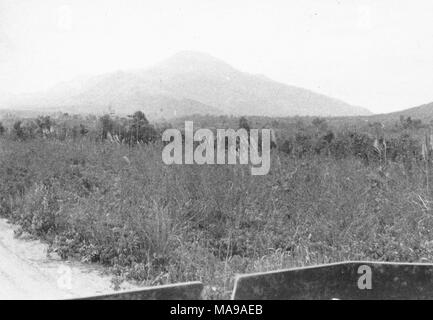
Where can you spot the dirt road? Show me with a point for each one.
(27, 273)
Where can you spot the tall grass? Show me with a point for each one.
(156, 224)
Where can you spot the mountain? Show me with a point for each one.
(423, 112)
(187, 83)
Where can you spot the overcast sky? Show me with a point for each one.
(376, 54)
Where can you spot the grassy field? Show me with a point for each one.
(122, 207)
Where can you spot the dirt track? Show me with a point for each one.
(27, 273)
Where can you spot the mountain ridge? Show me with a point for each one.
(424, 111)
(188, 82)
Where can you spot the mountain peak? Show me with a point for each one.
(194, 61)
(193, 82)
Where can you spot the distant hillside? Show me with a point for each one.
(423, 112)
(211, 81)
(188, 83)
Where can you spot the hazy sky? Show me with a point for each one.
(376, 54)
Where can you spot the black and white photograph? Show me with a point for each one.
(238, 152)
